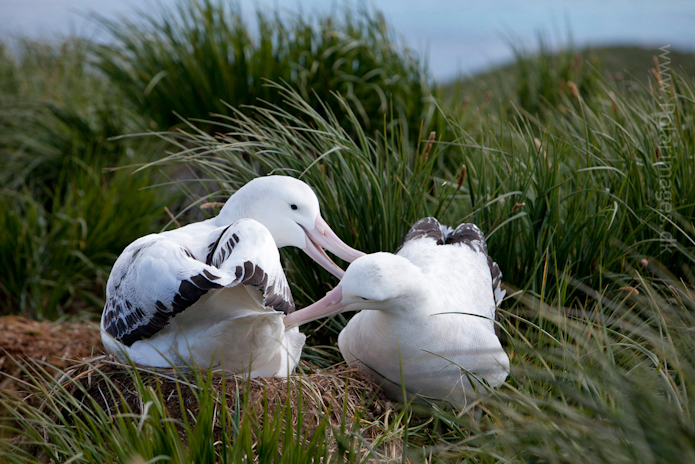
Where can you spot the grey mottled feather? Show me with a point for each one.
(465, 234)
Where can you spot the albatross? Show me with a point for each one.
(213, 293)
(427, 319)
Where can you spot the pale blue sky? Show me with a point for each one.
(457, 36)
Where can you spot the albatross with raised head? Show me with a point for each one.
(214, 292)
(427, 315)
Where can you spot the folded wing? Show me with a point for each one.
(464, 235)
(156, 278)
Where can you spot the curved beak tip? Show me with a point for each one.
(322, 237)
(327, 306)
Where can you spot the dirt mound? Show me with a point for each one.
(71, 354)
(338, 393)
(50, 343)
(338, 396)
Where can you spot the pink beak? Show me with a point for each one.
(320, 237)
(327, 306)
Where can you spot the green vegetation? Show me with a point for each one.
(139, 416)
(200, 57)
(581, 182)
(541, 76)
(62, 220)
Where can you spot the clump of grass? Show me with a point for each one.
(536, 83)
(105, 411)
(54, 259)
(62, 219)
(53, 106)
(194, 59)
(582, 190)
(545, 77)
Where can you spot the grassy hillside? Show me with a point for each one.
(628, 67)
(581, 181)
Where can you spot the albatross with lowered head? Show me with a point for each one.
(214, 292)
(427, 315)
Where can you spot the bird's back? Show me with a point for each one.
(446, 345)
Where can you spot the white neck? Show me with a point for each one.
(234, 209)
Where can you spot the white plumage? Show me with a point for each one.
(213, 292)
(428, 315)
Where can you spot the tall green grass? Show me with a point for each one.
(53, 106)
(116, 413)
(55, 259)
(546, 76)
(536, 79)
(582, 190)
(63, 220)
(199, 56)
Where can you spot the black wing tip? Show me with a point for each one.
(428, 227)
(131, 326)
(280, 299)
(468, 234)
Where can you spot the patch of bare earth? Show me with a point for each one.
(25, 342)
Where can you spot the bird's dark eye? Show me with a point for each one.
(365, 299)
(293, 206)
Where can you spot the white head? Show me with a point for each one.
(289, 209)
(380, 281)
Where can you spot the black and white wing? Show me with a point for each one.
(465, 234)
(247, 250)
(427, 228)
(156, 278)
(470, 235)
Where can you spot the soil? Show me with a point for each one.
(26, 345)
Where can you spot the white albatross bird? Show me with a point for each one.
(213, 293)
(428, 315)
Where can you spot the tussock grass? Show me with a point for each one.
(102, 410)
(54, 106)
(199, 56)
(535, 80)
(589, 190)
(55, 258)
(62, 220)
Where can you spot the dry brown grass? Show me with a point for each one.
(340, 395)
(24, 340)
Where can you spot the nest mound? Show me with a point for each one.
(339, 393)
(339, 396)
(43, 358)
(24, 341)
